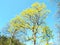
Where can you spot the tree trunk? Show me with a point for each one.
(47, 43)
(34, 39)
(34, 33)
(11, 39)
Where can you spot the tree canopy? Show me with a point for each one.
(32, 19)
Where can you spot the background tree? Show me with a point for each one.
(13, 28)
(16, 24)
(5, 41)
(57, 18)
(58, 21)
(47, 35)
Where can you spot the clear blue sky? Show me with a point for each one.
(9, 9)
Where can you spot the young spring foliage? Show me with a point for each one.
(36, 13)
(32, 19)
(36, 16)
(47, 34)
